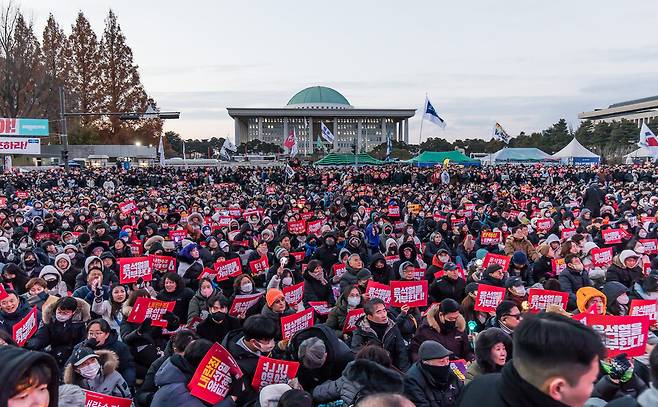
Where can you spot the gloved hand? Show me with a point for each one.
(620, 368)
(237, 388)
(145, 326)
(91, 343)
(173, 322)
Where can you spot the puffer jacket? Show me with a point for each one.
(423, 390)
(392, 341)
(126, 365)
(571, 281)
(172, 378)
(619, 272)
(455, 340)
(524, 245)
(108, 382)
(360, 378)
(198, 306)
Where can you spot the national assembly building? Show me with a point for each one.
(353, 128)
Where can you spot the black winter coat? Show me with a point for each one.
(182, 296)
(423, 390)
(314, 290)
(392, 341)
(126, 361)
(327, 255)
(626, 276)
(571, 281)
(448, 288)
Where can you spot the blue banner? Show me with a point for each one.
(33, 127)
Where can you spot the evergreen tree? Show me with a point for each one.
(84, 73)
(56, 69)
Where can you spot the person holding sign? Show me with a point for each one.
(244, 284)
(316, 285)
(573, 278)
(218, 323)
(378, 328)
(255, 339)
(591, 299)
(350, 299)
(174, 289)
(97, 372)
(12, 310)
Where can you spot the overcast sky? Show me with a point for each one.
(523, 63)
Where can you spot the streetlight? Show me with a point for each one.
(138, 143)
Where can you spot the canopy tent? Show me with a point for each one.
(575, 153)
(641, 154)
(432, 158)
(348, 159)
(518, 156)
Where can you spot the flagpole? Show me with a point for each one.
(422, 119)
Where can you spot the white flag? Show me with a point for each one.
(161, 152)
(289, 171)
(326, 133)
(228, 145)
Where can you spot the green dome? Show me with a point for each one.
(319, 96)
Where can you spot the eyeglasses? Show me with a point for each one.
(515, 316)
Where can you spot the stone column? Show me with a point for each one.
(335, 132)
(406, 131)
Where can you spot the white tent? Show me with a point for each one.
(639, 154)
(575, 153)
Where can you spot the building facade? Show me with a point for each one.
(638, 111)
(352, 127)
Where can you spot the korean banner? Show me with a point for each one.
(294, 323)
(411, 293)
(625, 334)
(352, 317)
(339, 269)
(314, 227)
(23, 146)
(93, 399)
(299, 256)
(294, 294)
(611, 236)
(601, 257)
(378, 290)
(499, 259)
(558, 265)
(539, 299)
(21, 194)
(306, 216)
(207, 273)
(164, 264)
(390, 260)
(228, 268)
(644, 307)
(297, 227)
(543, 225)
(12, 126)
(136, 249)
(132, 268)
(259, 266)
(127, 207)
(650, 245)
(567, 233)
(488, 297)
(25, 328)
(490, 238)
(321, 307)
(149, 308)
(213, 377)
(273, 371)
(394, 211)
(242, 303)
(419, 273)
(177, 235)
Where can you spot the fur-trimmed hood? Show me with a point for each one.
(81, 314)
(108, 360)
(433, 320)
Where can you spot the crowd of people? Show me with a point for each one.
(64, 238)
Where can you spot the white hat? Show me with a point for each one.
(627, 254)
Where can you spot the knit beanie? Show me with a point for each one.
(278, 252)
(312, 353)
(272, 295)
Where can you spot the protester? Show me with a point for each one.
(431, 381)
(493, 348)
(28, 378)
(97, 372)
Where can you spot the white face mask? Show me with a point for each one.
(264, 349)
(72, 255)
(353, 301)
(62, 318)
(90, 371)
(519, 291)
(623, 299)
(287, 280)
(246, 288)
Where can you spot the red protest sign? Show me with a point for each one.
(558, 265)
(650, 245)
(214, 375)
(93, 399)
(499, 259)
(539, 299)
(391, 259)
(162, 263)
(259, 266)
(419, 273)
(567, 233)
(228, 268)
(21, 194)
(177, 235)
(242, 303)
(294, 294)
(306, 215)
(136, 249)
(294, 323)
(127, 207)
(25, 328)
(297, 227)
(378, 290)
(207, 273)
(488, 297)
(621, 334)
(601, 257)
(339, 269)
(3, 293)
(132, 268)
(149, 308)
(314, 227)
(543, 225)
(394, 211)
(273, 371)
(411, 293)
(299, 256)
(644, 307)
(490, 238)
(611, 236)
(352, 318)
(321, 307)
